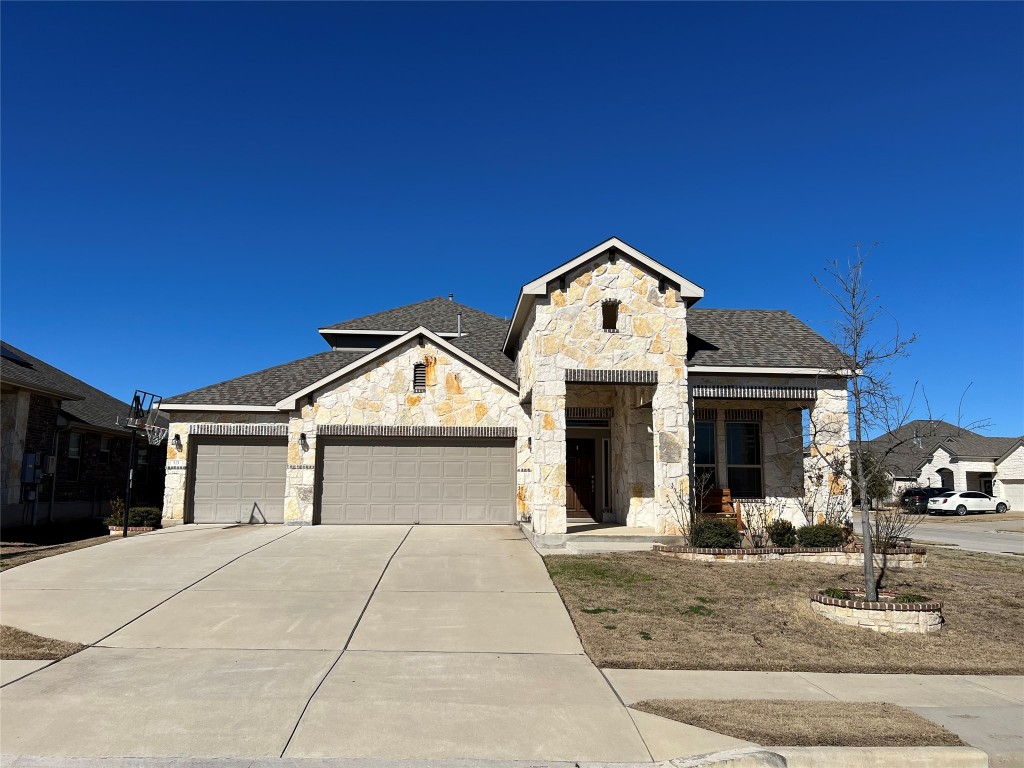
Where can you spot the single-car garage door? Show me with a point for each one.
(441, 480)
(239, 482)
(1013, 490)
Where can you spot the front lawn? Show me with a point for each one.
(25, 545)
(647, 611)
(806, 723)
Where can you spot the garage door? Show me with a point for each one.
(418, 481)
(239, 482)
(1013, 490)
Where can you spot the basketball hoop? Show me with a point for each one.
(155, 434)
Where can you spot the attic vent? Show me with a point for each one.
(419, 377)
(610, 315)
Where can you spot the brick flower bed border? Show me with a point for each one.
(901, 557)
(132, 529)
(884, 616)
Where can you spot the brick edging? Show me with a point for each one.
(782, 550)
(869, 605)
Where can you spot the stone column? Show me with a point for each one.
(549, 456)
(175, 475)
(827, 471)
(301, 473)
(671, 419)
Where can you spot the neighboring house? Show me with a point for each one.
(934, 453)
(600, 399)
(47, 412)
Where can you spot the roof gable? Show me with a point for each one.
(689, 291)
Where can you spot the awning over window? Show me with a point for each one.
(733, 392)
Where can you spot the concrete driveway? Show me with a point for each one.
(376, 641)
(994, 534)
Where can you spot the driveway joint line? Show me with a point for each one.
(628, 713)
(815, 685)
(344, 648)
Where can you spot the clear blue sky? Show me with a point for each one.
(190, 190)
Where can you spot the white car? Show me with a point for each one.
(963, 502)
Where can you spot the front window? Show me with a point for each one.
(743, 451)
(74, 455)
(704, 454)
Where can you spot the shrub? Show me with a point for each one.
(838, 594)
(782, 533)
(715, 534)
(139, 517)
(821, 535)
(910, 597)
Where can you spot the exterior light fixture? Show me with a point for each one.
(177, 442)
(303, 443)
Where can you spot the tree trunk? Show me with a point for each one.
(870, 587)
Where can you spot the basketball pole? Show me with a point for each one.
(128, 490)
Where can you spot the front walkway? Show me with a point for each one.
(357, 642)
(986, 711)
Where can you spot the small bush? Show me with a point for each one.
(835, 592)
(821, 535)
(715, 534)
(910, 597)
(782, 533)
(139, 517)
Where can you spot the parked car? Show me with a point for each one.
(963, 502)
(916, 499)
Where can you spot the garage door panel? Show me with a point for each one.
(435, 481)
(236, 481)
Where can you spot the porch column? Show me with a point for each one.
(548, 430)
(300, 476)
(671, 424)
(825, 475)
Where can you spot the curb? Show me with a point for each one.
(883, 757)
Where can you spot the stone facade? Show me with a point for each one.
(885, 617)
(567, 333)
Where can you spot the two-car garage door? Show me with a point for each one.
(360, 480)
(439, 480)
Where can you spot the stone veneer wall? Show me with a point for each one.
(381, 394)
(884, 617)
(1011, 468)
(566, 333)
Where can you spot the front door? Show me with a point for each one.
(579, 477)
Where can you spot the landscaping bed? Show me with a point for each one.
(901, 557)
(646, 611)
(806, 723)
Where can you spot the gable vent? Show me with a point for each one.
(419, 377)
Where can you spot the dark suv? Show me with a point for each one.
(916, 499)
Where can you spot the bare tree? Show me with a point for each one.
(866, 355)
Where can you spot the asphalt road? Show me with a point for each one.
(995, 534)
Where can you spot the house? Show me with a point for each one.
(606, 392)
(49, 413)
(935, 453)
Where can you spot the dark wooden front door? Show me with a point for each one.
(579, 478)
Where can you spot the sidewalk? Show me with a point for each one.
(987, 712)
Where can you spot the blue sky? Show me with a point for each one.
(190, 190)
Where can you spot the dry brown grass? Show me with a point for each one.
(647, 611)
(19, 553)
(806, 723)
(19, 644)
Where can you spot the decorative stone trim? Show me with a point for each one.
(243, 430)
(589, 413)
(302, 466)
(733, 392)
(903, 557)
(374, 430)
(604, 376)
(176, 465)
(884, 616)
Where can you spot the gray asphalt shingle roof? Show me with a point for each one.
(732, 337)
(770, 338)
(905, 449)
(91, 406)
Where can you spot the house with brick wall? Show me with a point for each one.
(62, 455)
(601, 399)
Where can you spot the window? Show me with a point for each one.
(704, 454)
(419, 377)
(74, 455)
(743, 453)
(104, 449)
(610, 315)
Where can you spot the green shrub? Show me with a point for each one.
(139, 517)
(835, 592)
(782, 533)
(821, 535)
(715, 534)
(910, 597)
